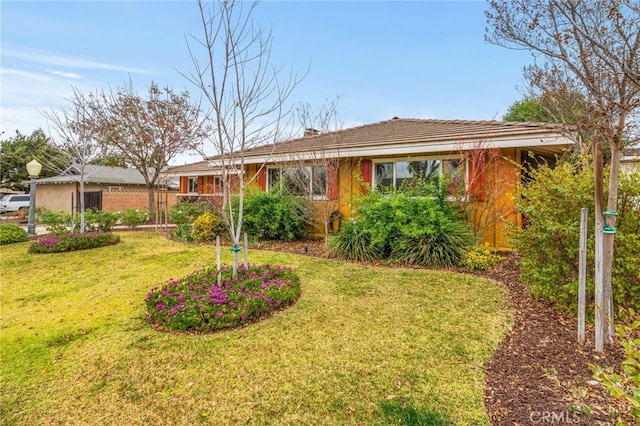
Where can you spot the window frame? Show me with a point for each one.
(192, 181)
(395, 160)
(310, 191)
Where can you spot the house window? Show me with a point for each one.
(192, 185)
(303, 181)
(394, 174)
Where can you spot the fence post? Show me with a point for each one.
(582, 273)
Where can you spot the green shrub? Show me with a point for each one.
(404, 227)
(479, 258)
(106, 220)
(97, 220)
(134, 217)
(11, 233)
(198, 303)
(182, 233)
(58, 243)
(625, 384)
(90, 221)
(549, 243)
(187, 211)
(273, 215)
(55, 222)
(207, 226)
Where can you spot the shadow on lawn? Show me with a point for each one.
(400, 411)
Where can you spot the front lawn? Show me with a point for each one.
(360, 345)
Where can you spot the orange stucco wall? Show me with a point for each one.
(501, 189)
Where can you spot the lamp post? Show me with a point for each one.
(33, 168)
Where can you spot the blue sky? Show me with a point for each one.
(417, 59)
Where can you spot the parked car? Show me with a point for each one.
(12, 203)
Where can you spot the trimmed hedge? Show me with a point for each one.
(11, 233)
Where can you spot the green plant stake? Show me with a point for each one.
(606, 228)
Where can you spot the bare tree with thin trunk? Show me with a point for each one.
(592, 48)
(246, 92)
(314, 173)
(490, 178)
(75, 145)
(147, 133)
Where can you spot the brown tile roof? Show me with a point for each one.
(405, 130)
(397, 131)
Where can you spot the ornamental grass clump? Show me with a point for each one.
(197, 303)
(58, 243)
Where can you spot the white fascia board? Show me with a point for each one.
(418, 148)
(193, 173)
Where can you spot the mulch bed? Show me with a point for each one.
(539, 373)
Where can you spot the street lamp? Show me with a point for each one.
(33, 168)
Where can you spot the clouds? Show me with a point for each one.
(63, 74)
(67, 61)
(35, 81)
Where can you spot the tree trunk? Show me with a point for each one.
(152, 202)
(81, 203)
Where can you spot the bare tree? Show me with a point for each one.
(592, 48)
(247, 95)
(147, 133)
(74, 143)
(314, 172)
(490, 177)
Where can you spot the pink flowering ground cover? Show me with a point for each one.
(197, 303)
(72, 241)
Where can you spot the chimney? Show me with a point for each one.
(308, 132)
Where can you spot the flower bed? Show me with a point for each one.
(55, 243)
(198, 303)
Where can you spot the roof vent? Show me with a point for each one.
(396, 118)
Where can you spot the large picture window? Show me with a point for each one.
(303, 181)
(394, 174)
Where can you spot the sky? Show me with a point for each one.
(415, 59)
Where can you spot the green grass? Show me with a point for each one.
(363, 345)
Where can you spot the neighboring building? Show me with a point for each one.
(336, 166)
(105, 188)
(630, 161)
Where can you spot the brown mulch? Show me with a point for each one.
(539, 373)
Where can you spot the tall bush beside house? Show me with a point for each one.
(404, 227)
(275, 215)
(548, 244)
